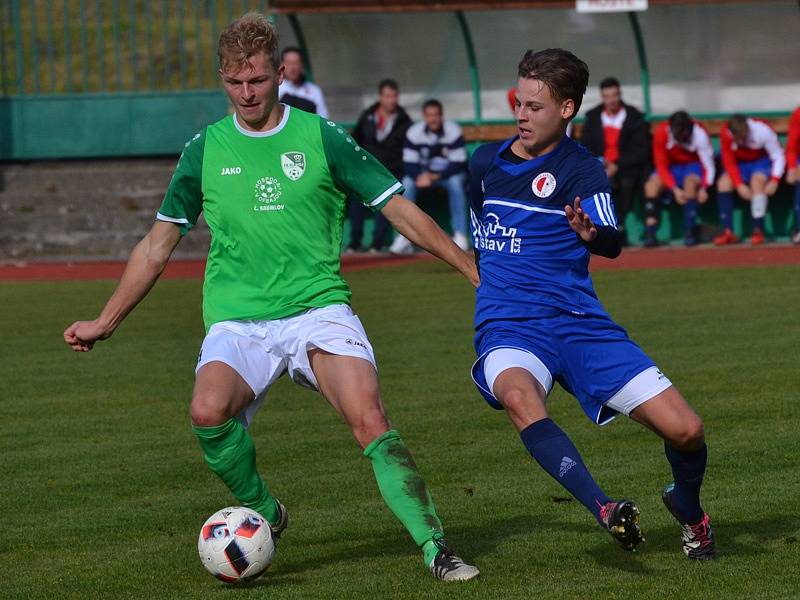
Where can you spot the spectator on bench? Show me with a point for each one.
(618, 133)
(381, 131)
(296, 90)
(435, 156)
(684, 161)
(753, 161)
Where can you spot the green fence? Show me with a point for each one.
(91, 78)
(111, 46)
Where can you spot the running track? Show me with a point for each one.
(633, 258)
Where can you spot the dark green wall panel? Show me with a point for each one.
(81, 126)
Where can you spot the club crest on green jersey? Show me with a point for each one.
(293, 164)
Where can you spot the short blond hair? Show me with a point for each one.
(249, 34)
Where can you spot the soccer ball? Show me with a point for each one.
(236, 544)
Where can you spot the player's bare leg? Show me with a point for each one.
(523, 397)
(653, 188)
(670, 416)
(219, 395)
(758, 207)
(350, 384)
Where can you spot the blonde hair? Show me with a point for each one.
(249, 34)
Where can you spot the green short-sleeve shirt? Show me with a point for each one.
(275, 204)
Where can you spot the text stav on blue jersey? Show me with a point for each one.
(531, 262)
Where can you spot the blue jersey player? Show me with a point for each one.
(540, 206)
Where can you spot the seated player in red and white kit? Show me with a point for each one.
(793, 168)
(753, 161)
(684, 161)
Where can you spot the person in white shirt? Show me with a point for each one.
(296, 90)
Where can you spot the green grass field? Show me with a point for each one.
(104, 488)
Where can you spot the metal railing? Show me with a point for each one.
(53, 47)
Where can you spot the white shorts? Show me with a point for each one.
(640, 389)
(261, 351)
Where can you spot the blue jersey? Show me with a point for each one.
(532, 264)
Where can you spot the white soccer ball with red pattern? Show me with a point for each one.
(236, 544)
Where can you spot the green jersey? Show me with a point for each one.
(275, 204)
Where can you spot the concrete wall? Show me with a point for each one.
(84, 208)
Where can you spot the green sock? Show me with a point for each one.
(230, 453)
(405, 492)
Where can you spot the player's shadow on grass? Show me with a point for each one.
(733, 538)
(265, 582)
(469, 542)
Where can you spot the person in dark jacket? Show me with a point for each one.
(618, 133)
(381, 131)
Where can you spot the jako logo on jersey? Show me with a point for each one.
(543, 184)
(353, 342)
(268, 190)
(293, 165)
(231, 171)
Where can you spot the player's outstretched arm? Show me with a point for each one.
(423, 231)
(145, 264)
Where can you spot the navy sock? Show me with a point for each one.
(689, 217)
(688, 469)
(725, 203)
(797, 206)
(557, 455)
(651, 229)
(758, 223)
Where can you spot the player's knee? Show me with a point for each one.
(758, 182)
(207, 411)
(724, 184)
(690, 437)
(368, 427)
(515, 400)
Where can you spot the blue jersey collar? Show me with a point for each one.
(528, 165)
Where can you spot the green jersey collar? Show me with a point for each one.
(268, 133)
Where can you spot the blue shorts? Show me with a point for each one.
(751, 167)
(681, 172)
(589, 355)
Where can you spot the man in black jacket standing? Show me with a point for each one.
(618, 133)
(381, 131)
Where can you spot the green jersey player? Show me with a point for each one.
(272, 182)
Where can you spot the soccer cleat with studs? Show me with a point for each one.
(698, 539)
(449, 567)
(621, 519)
(283, 521)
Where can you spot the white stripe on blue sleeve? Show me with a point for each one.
(610, 210)
(598, 206)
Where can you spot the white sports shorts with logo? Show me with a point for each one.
(261, 351)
